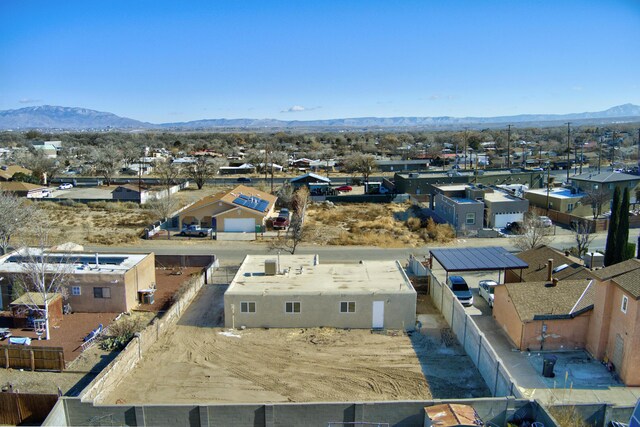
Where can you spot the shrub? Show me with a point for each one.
(413, 223)
(120, 333)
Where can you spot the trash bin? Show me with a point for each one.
(548, 362)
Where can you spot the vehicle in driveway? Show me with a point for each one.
(195, 230)
(280, 223)
(460, 289)
(65, 186)
(244, 179)
(545, 221)
(515, 227)
(344, 188)
(485, 289)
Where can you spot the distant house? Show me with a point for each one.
(607, 181)
(297, 291)
(244, 168)
(8, 171)
(49, 148)
(130, 193)
(614, 331)
(546, 262)
(462, 213)
(25, 189)
(545, 315)
(565, 200)
(402, 165)
(312, 181)
(239, 210)
(503, 207)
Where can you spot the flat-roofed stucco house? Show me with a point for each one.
(109, 283)
(239, 210)
(296, 291)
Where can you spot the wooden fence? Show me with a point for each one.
(27, 408)
(33, 358)
(595, 225)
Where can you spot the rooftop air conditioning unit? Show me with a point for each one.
(270, 267)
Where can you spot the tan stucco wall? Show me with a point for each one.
(609, 321)
(505, 314)
(321, 310)
(124, 293)
(238, 213)
(562, 334)
(557, 203)
(217, 207)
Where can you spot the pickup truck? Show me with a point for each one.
(195, 230)
(280, 223)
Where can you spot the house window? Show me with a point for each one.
(347, 307)
(471, 218)
(292, 307)
(625, 303)
(247, 307)
(102, 292)
(75, 290)
(569, 207)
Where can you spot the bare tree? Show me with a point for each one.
(107, 162)
(362, 164)
(168, 174)
(15, 214)
(596, 198)
(42, 275)
(297, 232)
(161, 208)
(534, 233)
(583, 236)
(203, 169)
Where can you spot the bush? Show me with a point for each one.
(629, 251)
(413, 223)
(120, 333)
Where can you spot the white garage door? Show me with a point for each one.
(240, 224)
(502, 219)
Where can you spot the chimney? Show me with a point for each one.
(549, 269)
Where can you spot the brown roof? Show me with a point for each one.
(617, 269)
(18, 186)
(630, 282)
(537, 259)
(230, 196)
(35, 298)
(7, 172)
(534, 299)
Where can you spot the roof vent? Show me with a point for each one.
(270, 267)
(560, 268)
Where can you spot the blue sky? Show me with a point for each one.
(164, 61)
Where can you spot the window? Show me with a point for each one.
(75, 290)
(247, 307)
(471, 218)
(347, 307)
(102, 292)
(292, 307)
(569, 207)
(625, 303)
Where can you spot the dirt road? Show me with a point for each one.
(196, 361)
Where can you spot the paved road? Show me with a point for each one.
(234, 252)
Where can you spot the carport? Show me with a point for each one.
(476, 259)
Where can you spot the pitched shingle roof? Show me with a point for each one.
(630, 282)
(537, 259)
(618, 269)
(536, 299)
(231, 196)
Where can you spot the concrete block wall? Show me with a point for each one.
(397, 413)
(477, 347)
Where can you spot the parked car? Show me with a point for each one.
(515, 227)
(486, 288)
(460, 289)
(243, 179)
(545, 221)
(195, 230)
(284, 213)
(280, 223)
(344, 188)
(65, 186)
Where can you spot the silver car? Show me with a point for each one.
(486, 288)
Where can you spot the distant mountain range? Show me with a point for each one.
(48, 117)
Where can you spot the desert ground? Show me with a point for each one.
(198, 361)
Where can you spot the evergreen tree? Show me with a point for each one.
(614, 220)
(622, 233)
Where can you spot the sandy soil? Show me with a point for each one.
(201, 362)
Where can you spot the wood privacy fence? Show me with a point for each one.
(33, 358)
(595, 225)
(32, 409)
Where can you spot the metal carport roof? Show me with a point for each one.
(477, 259)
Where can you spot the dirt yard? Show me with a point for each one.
(199, 361)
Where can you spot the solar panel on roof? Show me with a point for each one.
(251, 202)
(470, 259)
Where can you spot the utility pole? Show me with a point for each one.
(581, 156)
(599, 142)
(548, 185)
(509, 147)
(465, 148)
(639, 160)
(568, 149)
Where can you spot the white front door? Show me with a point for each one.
(378, 315)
